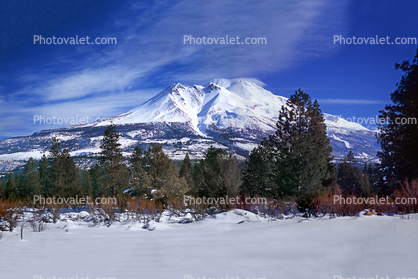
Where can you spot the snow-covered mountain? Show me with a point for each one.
(232, 114)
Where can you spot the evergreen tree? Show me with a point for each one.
(12, 188)
(45, 175)
(97, 177)
(259, 173)
(186, 171)
(140, 181)
(63, 174)
(399, 131)
(373, 174)
(56, 169)
(219, 174)
(366, 187)
(86, 183)
(350, 177)
(115, 174)
(30, 181)
(2, 189)
(164, 175)
(72, 184)
(297, 157)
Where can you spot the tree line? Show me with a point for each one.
(294, 163)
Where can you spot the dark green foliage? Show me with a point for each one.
(86, 182)
(64, 176)
(218, 174)
(115, 175)
(399, 155)
(30, 183)
(154, 175)
(140, 181)
(45, 175)
(96, 175)
(258, 179)
(296, 159)
(351, 179)
(186, 171)
(12, 188)
(2, 189)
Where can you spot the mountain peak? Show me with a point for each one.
(226, 83)
(228, 113)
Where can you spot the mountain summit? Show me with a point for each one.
(233, 114)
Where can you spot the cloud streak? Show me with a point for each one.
(350, 102)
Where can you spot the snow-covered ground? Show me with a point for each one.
(221, 247)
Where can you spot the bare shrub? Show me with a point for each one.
(37, 225)
(408, 191)
(325, 204)
(8, 215)
(54, 213)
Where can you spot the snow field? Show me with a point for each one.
(235, 244)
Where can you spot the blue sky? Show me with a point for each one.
(105, 80)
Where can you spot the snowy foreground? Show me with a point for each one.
(221, 247)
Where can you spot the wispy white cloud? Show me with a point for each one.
(18, 117)
(153, 42)
(351, 102)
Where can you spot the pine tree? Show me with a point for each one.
(399, 131)
(97, 181)
(186, 171)
(258, 174)
(45, 175)
(350, 178)
(61, 176)
(71, 179)
(300, 150)
(2, 189)
(115, 172)
(86, 183)
(164, 175)
(219, 174)
(56, 168)
(140, 181)
(12, 188)
(30, 181)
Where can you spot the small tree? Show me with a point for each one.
(350, 178)
(115, 175)
(154, 174)
(30, 181)
(186, 171)
(218, 174)
(140, 181)
(398, 134)
(297, 157)
(12, 188)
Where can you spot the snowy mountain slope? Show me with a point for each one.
(232, 114)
